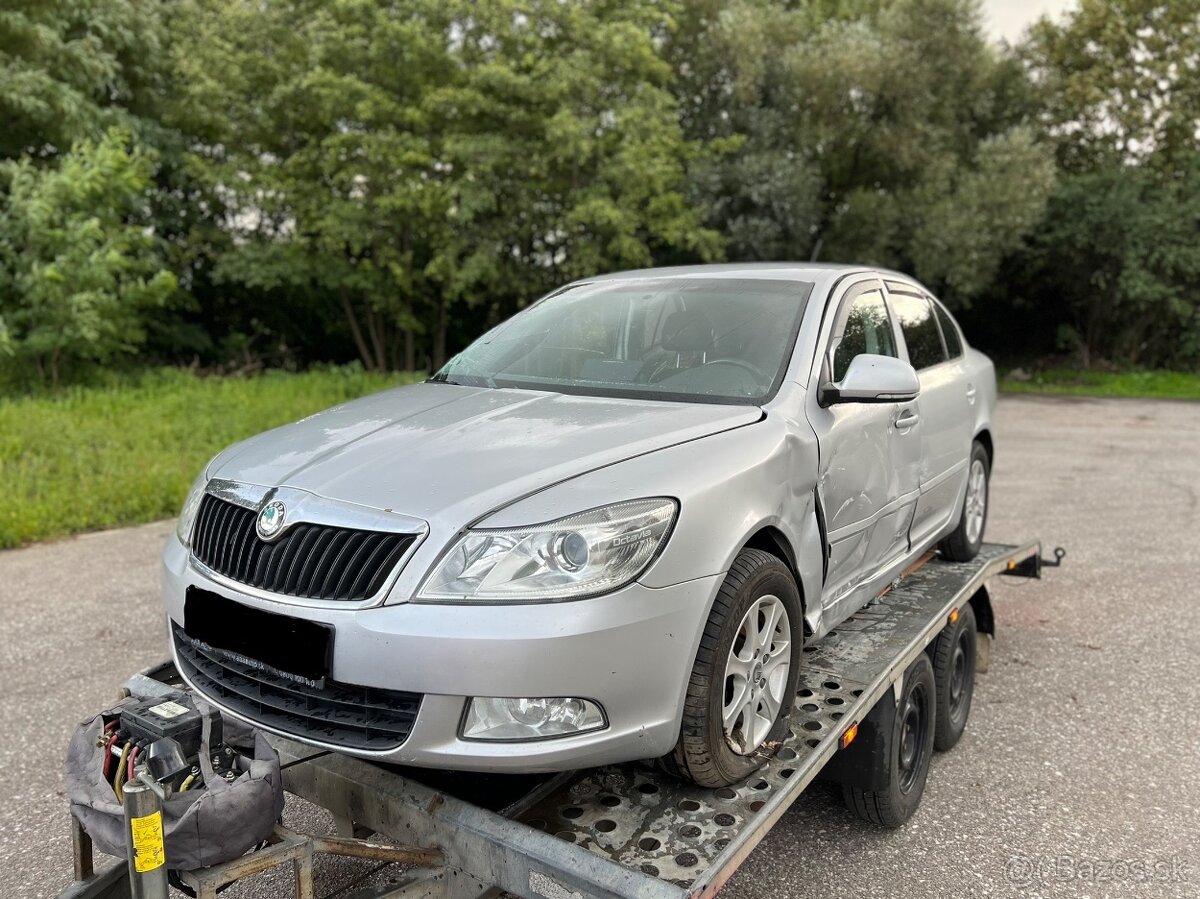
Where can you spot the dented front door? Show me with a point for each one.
(869, 477)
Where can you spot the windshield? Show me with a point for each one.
(717, 340)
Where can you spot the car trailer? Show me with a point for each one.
(631, 830)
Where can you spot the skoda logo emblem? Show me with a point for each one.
(270, 520)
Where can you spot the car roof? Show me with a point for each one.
(799, 271)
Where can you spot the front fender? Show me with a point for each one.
(729, 485)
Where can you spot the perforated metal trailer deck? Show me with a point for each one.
(626, 830)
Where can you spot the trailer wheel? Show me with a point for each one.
(744, 678)
(908, 753)
(953, 656)
(963, 545)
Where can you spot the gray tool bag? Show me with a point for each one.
(223, 820)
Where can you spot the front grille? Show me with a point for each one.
(312, 561)
(355, 717)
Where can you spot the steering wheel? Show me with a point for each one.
(759, 374)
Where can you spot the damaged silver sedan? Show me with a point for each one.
(603, 532)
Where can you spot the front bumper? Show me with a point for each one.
(631, 651)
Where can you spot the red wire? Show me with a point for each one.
(108, 756)
(132, 758)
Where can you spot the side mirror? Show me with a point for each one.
(874, 379)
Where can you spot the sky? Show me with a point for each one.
(1007, 19)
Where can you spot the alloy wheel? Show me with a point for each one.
(756, 674)
(976, 503)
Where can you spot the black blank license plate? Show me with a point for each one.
(291, 647)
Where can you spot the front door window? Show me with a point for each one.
(867, 329)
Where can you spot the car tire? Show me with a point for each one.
(758, 585)
(963, 544)
(909, 750)
(953, 655)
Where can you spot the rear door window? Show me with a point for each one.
(920, 330)
(949, 332)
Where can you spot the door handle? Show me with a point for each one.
(906, 419)
(971, 394)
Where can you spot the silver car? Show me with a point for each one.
(601, 533)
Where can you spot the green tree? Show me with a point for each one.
(404, 157)
(1118, 253)
(69, 69)
(1119, 81)
(1118, 256)
(313, 124)
(885, 133)
(568, 135)
(79, 264)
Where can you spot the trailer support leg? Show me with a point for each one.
(298, 849)
(303, 868)
(82, 856)
(983, 651)
(285, 847)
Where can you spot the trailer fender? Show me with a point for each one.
(864, 763)
(981, 604)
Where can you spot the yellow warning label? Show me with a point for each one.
(147, 834)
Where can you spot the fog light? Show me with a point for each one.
(499, 718)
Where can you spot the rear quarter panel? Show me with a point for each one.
(982, 373)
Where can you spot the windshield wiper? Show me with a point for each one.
(466, 380)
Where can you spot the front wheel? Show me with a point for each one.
(963, 544)
(744, 677)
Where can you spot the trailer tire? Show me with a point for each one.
(953, 655)
(704, 754)
(909, 750)
(963, 544)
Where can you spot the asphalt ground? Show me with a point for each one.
(1079, 774)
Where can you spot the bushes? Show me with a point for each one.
(79, 263)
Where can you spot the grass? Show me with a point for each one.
(1156, 384)
(98, 457)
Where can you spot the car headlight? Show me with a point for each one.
(581, 555)
(191, 505)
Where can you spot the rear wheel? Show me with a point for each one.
(908, 753)
(953, 657)
(963, 544)
(744, 677)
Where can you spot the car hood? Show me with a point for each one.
(439, 449)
